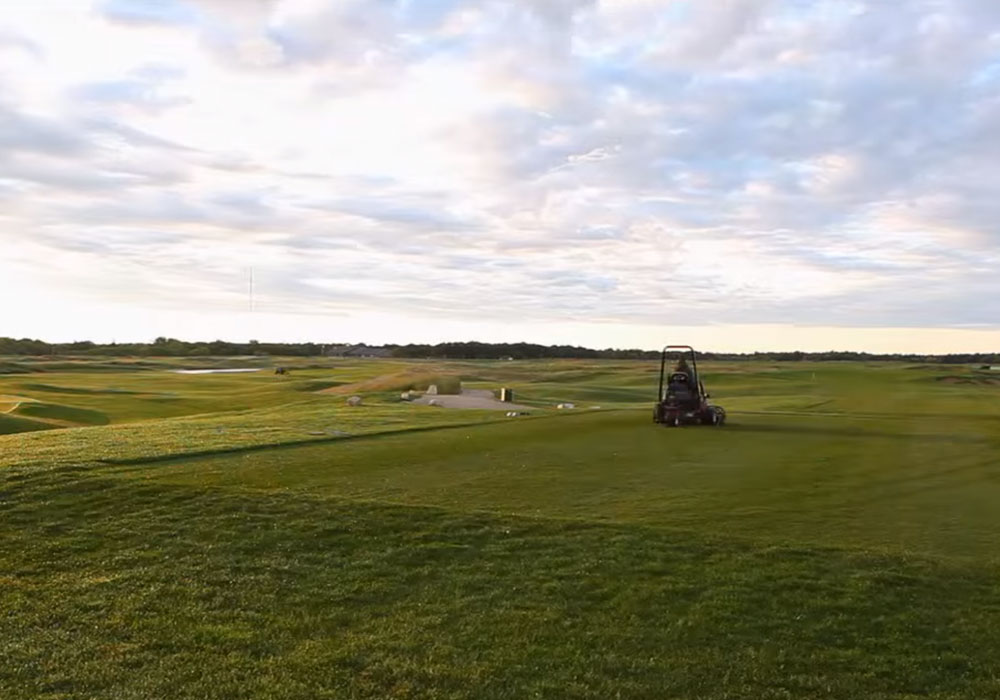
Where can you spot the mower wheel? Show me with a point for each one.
(720, 415)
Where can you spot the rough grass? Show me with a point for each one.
(408, 380)
(445, 384)
(837, 540)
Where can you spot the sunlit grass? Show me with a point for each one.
(838, 539)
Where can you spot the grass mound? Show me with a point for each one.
(980, 379)
(10, 424)
(62, 413)
(55, 389)
(446, 384)
(317, 385)
(14, 368)
(402, 381)
(87, 366)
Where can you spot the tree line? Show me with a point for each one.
(172, 347)
(161, 347)
(525, 351)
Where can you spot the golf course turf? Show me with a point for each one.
(248, 537)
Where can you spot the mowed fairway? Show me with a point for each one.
(839, 539)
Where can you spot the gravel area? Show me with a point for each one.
(482, 399)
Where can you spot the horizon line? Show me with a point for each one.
(152, 343)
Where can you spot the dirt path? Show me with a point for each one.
(481, 399)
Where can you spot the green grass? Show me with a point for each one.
(147, 390)
(61, 413)
(50, 388)
(16, 424)
(287, 595)
(838, 539)
(883, 486)
(222, 433)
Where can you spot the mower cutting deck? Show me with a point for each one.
(682, 399)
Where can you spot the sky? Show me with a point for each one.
(734, 174)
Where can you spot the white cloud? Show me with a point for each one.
(519, 163)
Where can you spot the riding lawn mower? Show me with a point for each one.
(682, 399)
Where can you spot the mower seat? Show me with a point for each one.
(680, 389)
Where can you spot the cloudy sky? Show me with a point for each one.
(740, 174)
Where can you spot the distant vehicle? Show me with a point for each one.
(682, 399)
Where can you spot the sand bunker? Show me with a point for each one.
(215, 371)
(482, 399)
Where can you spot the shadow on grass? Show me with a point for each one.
(306, 442)
(55, 389)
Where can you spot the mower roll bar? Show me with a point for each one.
(663, 365)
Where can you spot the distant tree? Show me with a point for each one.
(172, 347)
